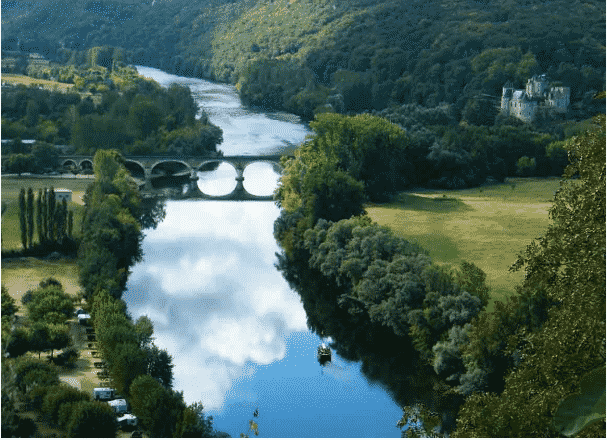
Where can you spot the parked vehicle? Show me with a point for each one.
(83, 318)
(104, 393)
(119, 406)
(127, 420)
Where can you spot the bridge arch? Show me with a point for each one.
(68, 163)
(275, 165)
(171, 166)
(136, 169)
(86, 164)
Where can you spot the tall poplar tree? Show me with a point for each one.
(23, 217)
(70, 223)
(60, 219)
(30, 216)
(45, 213)
(39, 216)
(51, 214)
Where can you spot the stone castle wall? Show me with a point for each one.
(523, 104)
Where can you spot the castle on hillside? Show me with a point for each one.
(523, 104)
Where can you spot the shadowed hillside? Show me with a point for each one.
(310, 55)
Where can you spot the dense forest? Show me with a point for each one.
(309, 55)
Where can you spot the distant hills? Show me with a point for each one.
(351, 56)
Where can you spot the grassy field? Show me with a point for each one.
(22, 274)
(26, 80)
(10, 187)
(487, 226)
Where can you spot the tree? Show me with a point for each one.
(70, 223)
(50, 214)
(111, 234)
(30, 216)
(568, 265)
(144, 118)
(92, 132)
(61, 220)
(92, 419)
(45, 155)
(473, 280)
(182, 104)
(525, 166)
(32, 113)
(128, 362)
(19, 341)
(144, 329)
(30, 372)
(193, 423)
(106, 164)
(40, 210)
(160, 365)
(345, 152)
(158, 409)
(23, 218)
(40, 338)
(8, 304)
(20, 163)
(60, 395)
(50, 304)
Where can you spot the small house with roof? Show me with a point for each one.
(62, 194)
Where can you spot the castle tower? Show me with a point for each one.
(536, 86)
(558, 98)
(507, 92)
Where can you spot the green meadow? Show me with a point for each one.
(22, 274)
(488, 226)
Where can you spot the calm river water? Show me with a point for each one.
(236, 331)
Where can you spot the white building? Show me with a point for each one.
(63, 194)
(524, 103)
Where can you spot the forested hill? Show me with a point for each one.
(354, 55)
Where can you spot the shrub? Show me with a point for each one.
(68, 357)
(19, 342)
(31, 372)
(92, 419)
(34, 398)
(58, 395)
(525, 166)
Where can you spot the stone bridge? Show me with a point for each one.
(146, 168)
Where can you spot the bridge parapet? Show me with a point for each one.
(192, 165)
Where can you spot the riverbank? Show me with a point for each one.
(488, 226)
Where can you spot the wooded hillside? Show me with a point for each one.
(307, 55)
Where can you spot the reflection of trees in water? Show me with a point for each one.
(342, 374)
(152, 212)
(387, 359)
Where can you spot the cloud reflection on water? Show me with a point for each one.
(209, 285)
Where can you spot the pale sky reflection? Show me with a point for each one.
(209, 284)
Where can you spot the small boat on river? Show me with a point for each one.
(324, 354)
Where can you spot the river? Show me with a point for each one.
(236, 331)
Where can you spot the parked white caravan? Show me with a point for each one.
(127, 420)
(119, 405)
(104, 393)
